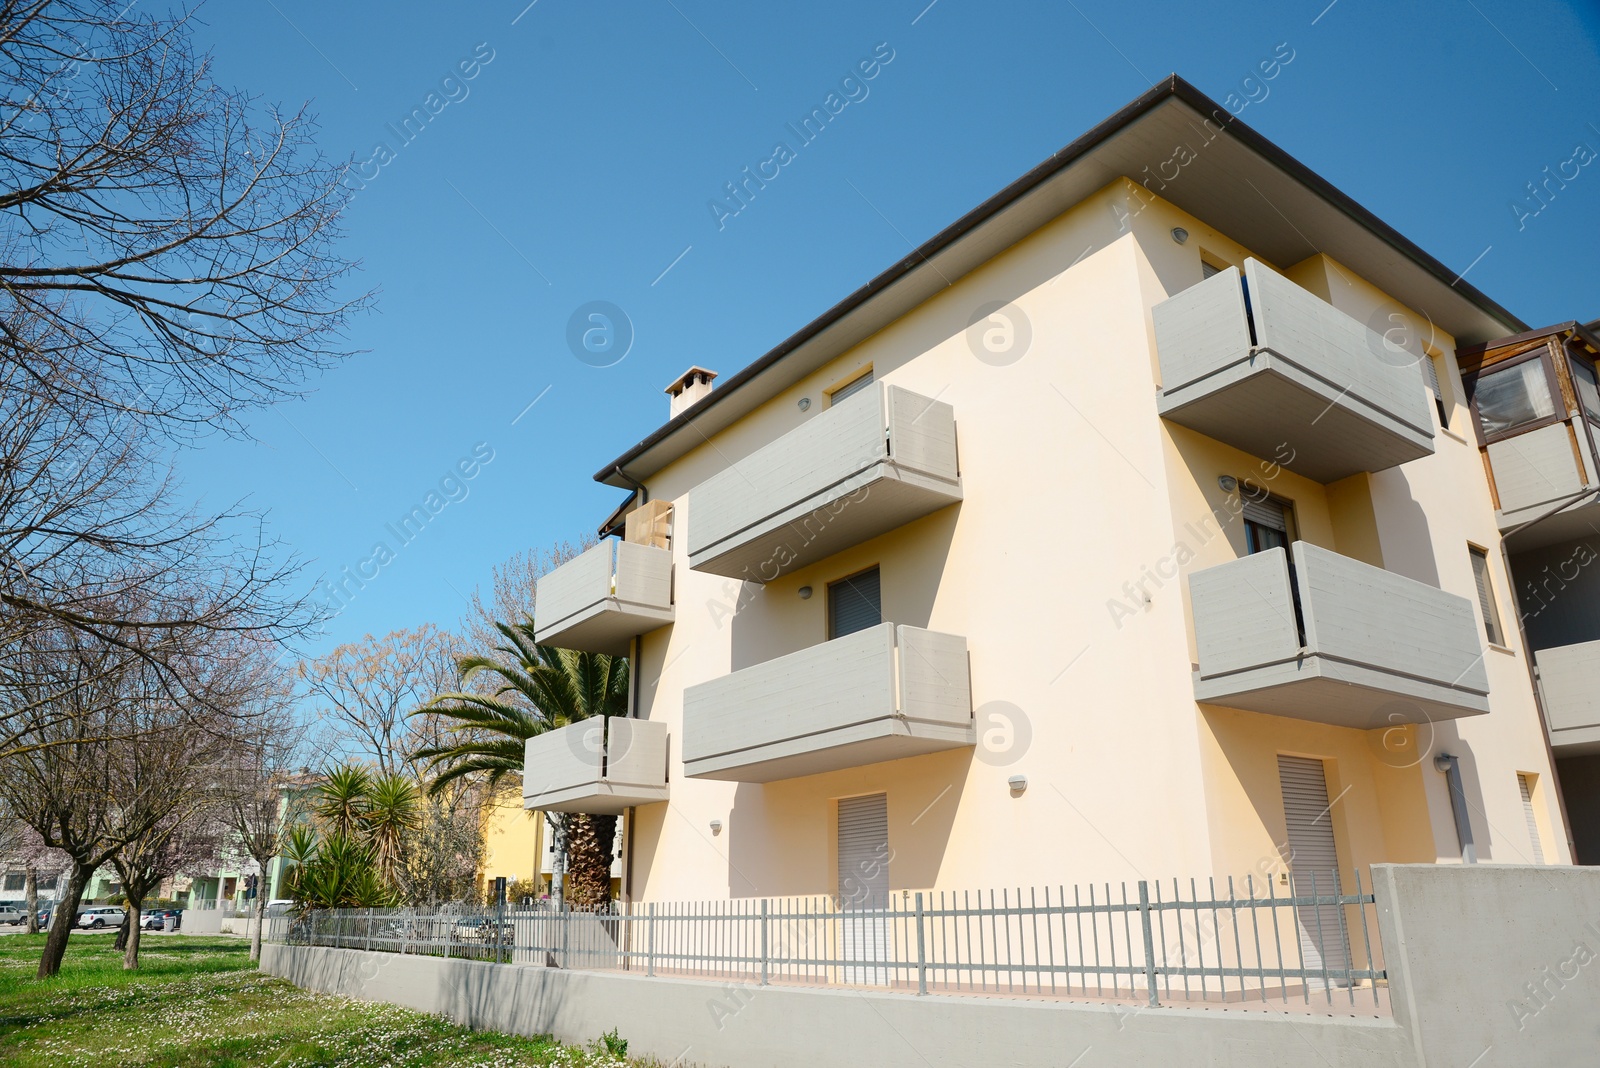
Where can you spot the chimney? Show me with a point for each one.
(688, 388)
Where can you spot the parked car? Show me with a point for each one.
(13, 915)
(156, 919)
(482, 929)
(44, 917)
(101, 916)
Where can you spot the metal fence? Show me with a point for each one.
(1148, 941)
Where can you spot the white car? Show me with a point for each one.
(14, 916)
(102, 916)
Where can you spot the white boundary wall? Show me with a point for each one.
(1465, 946)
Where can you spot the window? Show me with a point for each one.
(1513, 398)
(1208, 269)
(1583, 377)
(1268, 520)
(1486, 603)
(854, 604)
(855, 385)
(1431, 363)
(1525, 787)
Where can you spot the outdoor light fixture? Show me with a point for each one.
(805, 404)
(716, 826)
(805, 593)
(1228, 483)
(1179, 234)
(1018, 783)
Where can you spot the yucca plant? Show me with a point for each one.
(340, 801)
(391, 813)
(537, 688)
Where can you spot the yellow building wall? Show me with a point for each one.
(513, 840)
(1077, 499)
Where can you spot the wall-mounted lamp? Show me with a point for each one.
(804, 404)
(1018, 783)
(716, 826)
(805, 593)
(1179, 234)
(1228, 483)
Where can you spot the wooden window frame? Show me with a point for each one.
(1552, 379)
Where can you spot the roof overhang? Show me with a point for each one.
(1240, 183)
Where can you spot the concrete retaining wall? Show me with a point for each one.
(1493, 959)
(687, 1022)
(1465, 946)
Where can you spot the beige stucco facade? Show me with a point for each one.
(1065, 566)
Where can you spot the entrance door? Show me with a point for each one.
(1313, 862)
(864, 886)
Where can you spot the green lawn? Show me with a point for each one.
(200, 1001)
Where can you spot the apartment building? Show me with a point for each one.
(1535, 406)
(1135, 526)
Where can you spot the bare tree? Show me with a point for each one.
(256, 787)
(364, 692)
(124, 755)
(510, 595)
(166, 264)
(174, 238)
(188, 837)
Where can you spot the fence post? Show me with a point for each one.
(650, 955)
(566, 922)
(369, 931)
(1149, 941)
(764, 957)
(922, 952)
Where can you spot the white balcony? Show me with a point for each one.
(1335, 641)
(596, 602)
(867, 465)
(1544, 471)
(598, 766)
(1569, 679)
(1281, 372)
(879, 694)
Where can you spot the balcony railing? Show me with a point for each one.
(599, 600)
(879, 694)
(1271, 369)
(599, 766)
(871, 463)
(1535, 473)
(1569, 678)
(1334, 640)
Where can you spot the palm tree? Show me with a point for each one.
(340, 801)
(391, 814)
(538, 688)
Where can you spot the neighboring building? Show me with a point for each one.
(1536, 407)
(1132, 527)
(513, 841)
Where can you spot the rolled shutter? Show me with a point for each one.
(851, 387)
(854, 604)
(1313, 861)
(1527, 813)
(1266, 511)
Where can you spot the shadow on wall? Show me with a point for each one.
(1580, 787)
(774, 620)
(1404, 531)
(782, 836)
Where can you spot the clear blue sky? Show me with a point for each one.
(577, 164)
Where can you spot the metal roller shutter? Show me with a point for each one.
(1527, 813)
(852, 387)
(1313, 862)
(1266, 511)
(854, 604)
(864, 886)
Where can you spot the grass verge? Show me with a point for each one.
(200, 1001)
